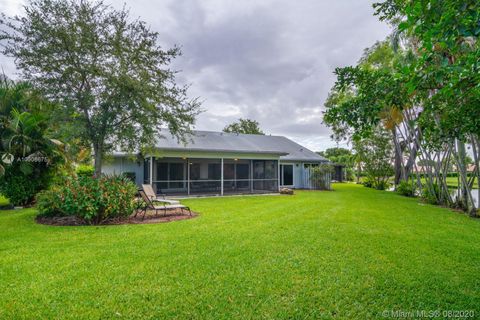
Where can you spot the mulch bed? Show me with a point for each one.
(150, 217)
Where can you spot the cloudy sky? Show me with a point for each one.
(268, 60)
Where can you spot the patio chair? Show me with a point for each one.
(150, 206)
(153, 197)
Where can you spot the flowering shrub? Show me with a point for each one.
(94, 200)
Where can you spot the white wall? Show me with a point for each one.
(123, 164)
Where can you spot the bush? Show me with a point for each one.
(320, 176)
(20, 189)
(406, 189)
(382, 185)
(85, 170)
(431, 196)
(370, 182)
(93, 200)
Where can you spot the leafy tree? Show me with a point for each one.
(27, 156)
(244, 126)
(337, 155)
(370, 94)
(445, 75)
(341, 156)
(108, 73)
(375, 154)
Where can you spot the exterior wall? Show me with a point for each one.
(120, 165)
(300, 174)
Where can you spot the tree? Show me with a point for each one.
(107, 72)
(337, 155)
(375, 153)
(445, 75)
(370, 94)
(341, 156)
(27, 156)
(244, 126)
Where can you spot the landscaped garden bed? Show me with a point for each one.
(150, 217)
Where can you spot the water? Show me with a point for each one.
(474, 193)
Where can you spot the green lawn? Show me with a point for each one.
(452, 182)
(347, 254)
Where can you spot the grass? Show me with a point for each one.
(347, 254)
(452, 182)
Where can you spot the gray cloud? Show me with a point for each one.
(268, 60)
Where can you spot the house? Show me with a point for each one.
(221, 163)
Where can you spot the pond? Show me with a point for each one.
(474, 195)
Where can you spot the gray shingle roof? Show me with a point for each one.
(241, 143)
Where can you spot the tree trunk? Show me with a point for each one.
(476, 159)
(98, 151)
(413, 155)
(399, 173)
(359, 172)
(465, 193)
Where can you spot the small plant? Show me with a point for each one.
(406, 189)
(85, 170)
(431, 195)
(382, 185)
(378, 184)
(93, 200)
(368, 182)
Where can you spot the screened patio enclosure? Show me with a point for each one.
(192, 176)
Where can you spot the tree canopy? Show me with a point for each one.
(244, 126)
(420, 84)
(108, 73)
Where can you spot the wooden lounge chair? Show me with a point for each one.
(153, 197)
(150, 206)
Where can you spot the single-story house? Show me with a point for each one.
(220, 163)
